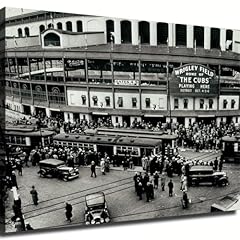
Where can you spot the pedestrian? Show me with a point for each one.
(220, 164)
(163, 180)
(156, 177)
(139, 190)
(19, 167)
(14, 180)
(34, 194)
(102, 165)
(215, 164)
(170, 187)
(68, 212)
(93, 169)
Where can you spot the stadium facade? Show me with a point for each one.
(85, 67)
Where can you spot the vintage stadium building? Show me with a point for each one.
(83, 67)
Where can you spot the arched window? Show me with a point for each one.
(229, 39)
(181, 35)
(162, 33)
(26, 30)
(51, 40)
(20, 32)
(126, 32)
(215, 38)
(59, 25)
(198, 36)
(110, 28)
(50, 25)
(143, 32)
(69, 26)
(41, 28)
(79, 26)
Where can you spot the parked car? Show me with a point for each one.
(205, 174)
(57, 168)
(96, 211)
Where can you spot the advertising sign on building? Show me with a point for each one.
(126, 82)
(193, 80)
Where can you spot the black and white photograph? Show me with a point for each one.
(108, 120)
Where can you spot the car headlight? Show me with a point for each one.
(102, 220)
(87, 222)
(93, 221)
(107, 219)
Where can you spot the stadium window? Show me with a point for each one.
(233, 103)
(95, 100)
(79, 26)
(198, 36)
(50, 25)
(148, 102)
(134, 102)
(59, 25)
(27, 32)
(41, 28)
(229, 39)
(181, 35)
(225, 102)
(20, 32)
(210, 103)
(215, 38)
(126, 32)
(176, 103)
(69, 26)
(201, 103)
(144, 32)
(120, 102)
(84, 100)
(110, 28)
(185, 103)
(162, 33)
(107, 99)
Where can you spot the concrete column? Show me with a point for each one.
(135, 34)
(48, 112)
(87, 116)
(207, 37)
(218, 120)
(171, 35)
(236, 41)
(190, 36)
(223, 39)
(117, 31)
(33, 110)
(132, 118)
(153, 33)
(115, 123)
(74, 26)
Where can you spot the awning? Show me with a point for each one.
(100, 113)
(153, 115)
(206, 116)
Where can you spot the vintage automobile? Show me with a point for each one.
(57, 168)
(205, 174)
(96, 211)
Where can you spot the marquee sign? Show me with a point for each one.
(193, 80)
(126, 82)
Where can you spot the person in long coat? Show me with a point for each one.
(102, 165)
(93, 169)
(170, 187)
(34, 194)
(68, 212)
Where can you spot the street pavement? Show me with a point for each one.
(121, 198)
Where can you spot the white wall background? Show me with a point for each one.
(210, 13)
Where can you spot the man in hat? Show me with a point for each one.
(93, 169)
(34, 194)
(170, 187)
(68, 212)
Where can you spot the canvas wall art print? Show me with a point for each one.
(107, 120)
